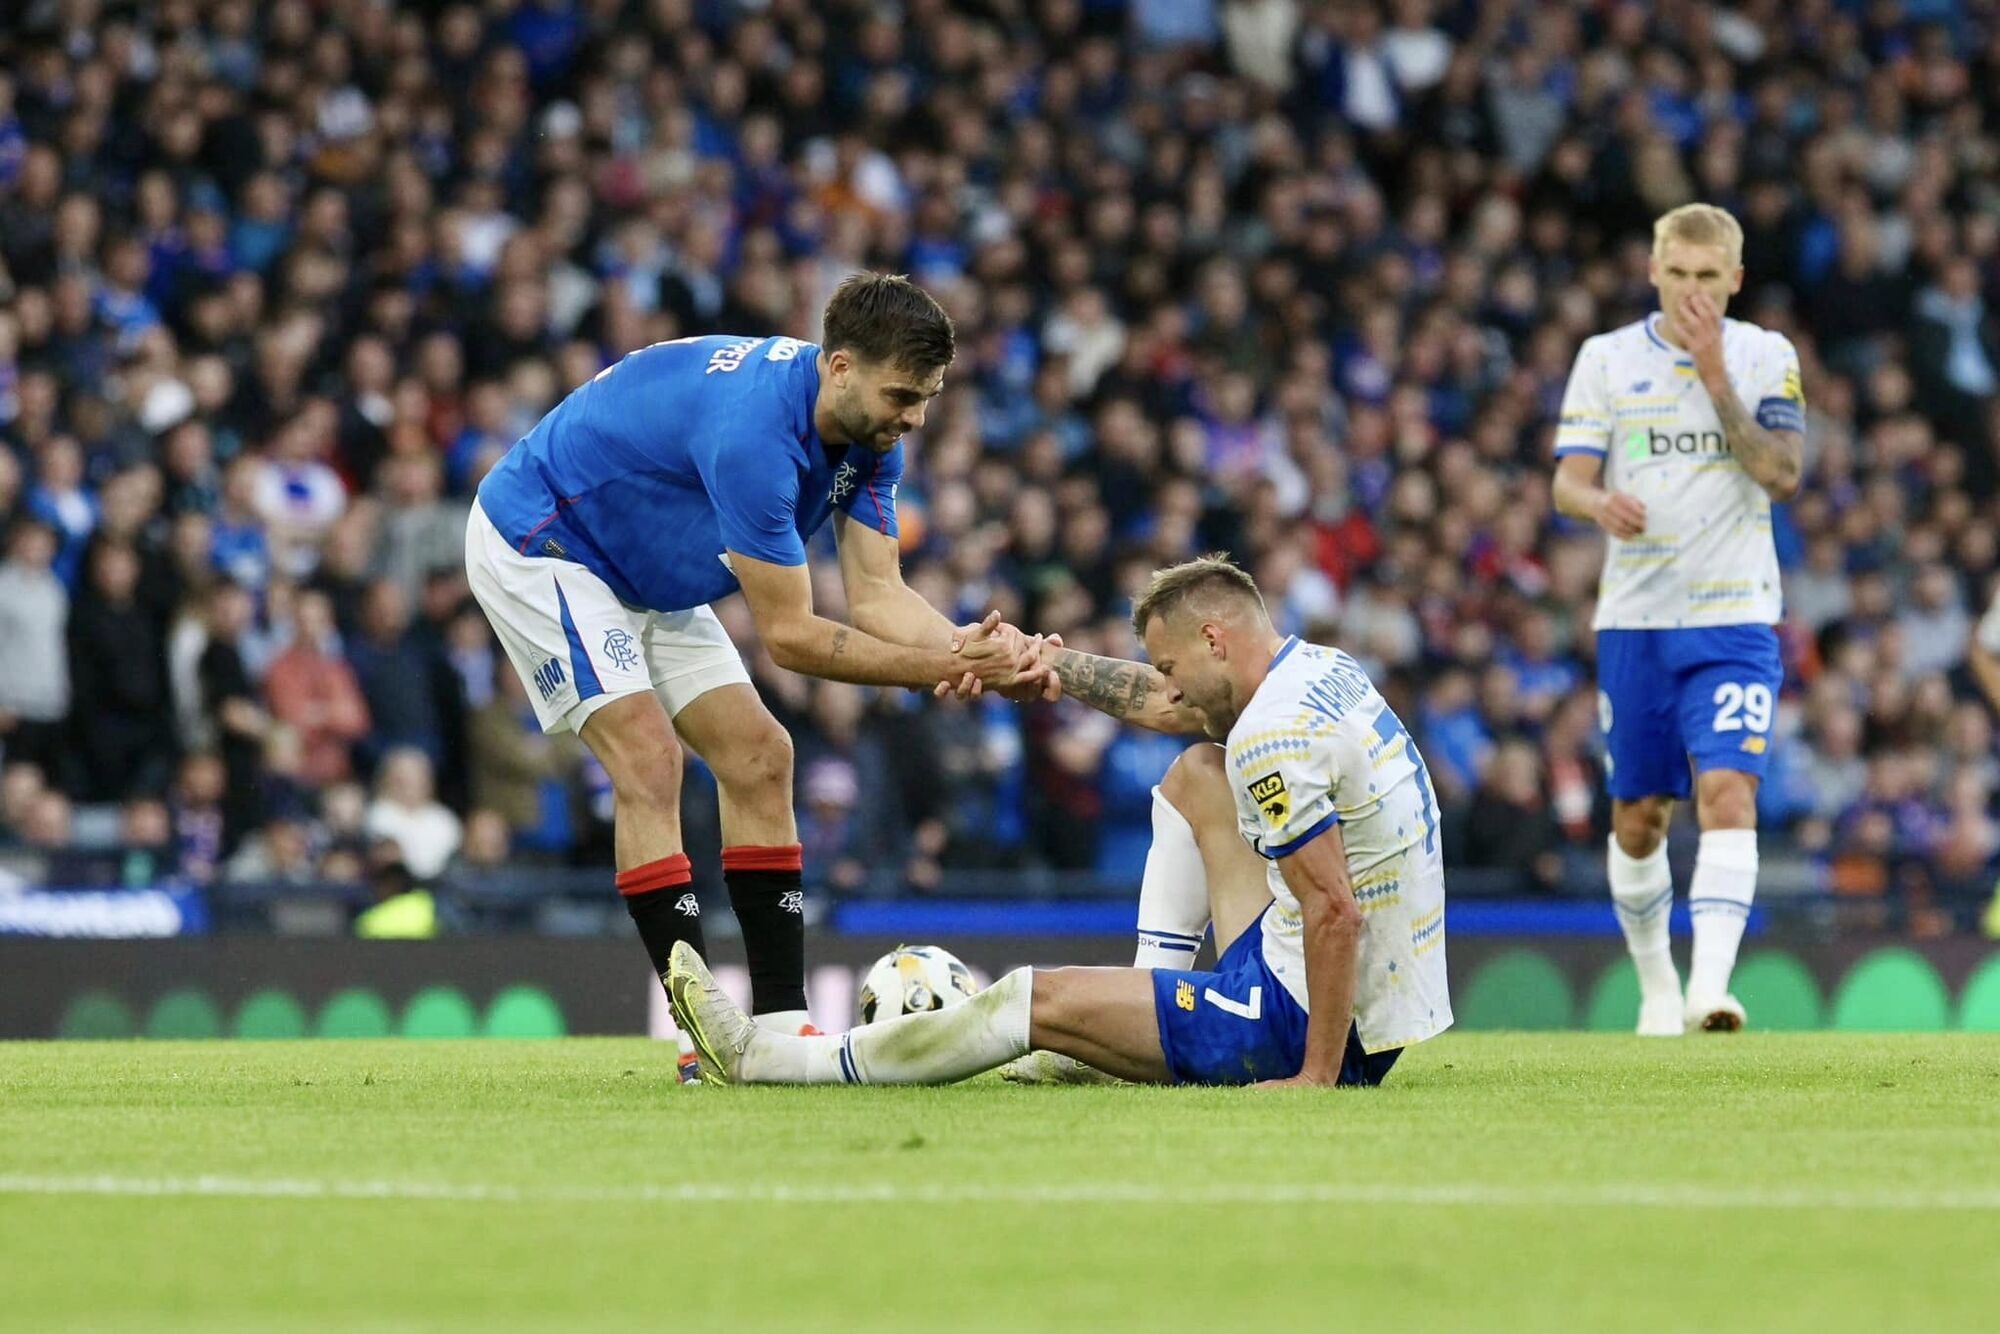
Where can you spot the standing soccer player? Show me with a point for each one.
(682, 473)
(1677, 433)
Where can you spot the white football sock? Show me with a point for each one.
(1173, 893)
(1725, 881)
(1642, 894)
(935, 1047)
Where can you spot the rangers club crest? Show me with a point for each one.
(843, 482)
(621, 649)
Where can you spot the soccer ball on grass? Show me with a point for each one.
(911, 979)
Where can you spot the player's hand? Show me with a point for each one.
(1043, 684)
(1621, 514)
(1700, 321)
(996, 655)
(1050, 688)
(1301, 1080)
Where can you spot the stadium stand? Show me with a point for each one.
(1299, 280)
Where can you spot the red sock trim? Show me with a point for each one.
(662, 874)
(748, 857)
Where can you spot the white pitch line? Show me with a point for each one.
(1617, 1195)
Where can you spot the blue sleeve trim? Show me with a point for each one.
(1780, 414)
(1326, 822)
(1598, 450)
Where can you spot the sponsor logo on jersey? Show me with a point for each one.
(549, 678)
(1686, 442)
(1184, 995)
(1754, 745)
(621, 649)
(1793, 389)
(551, 547)
(1641, 386)
(1274, 802)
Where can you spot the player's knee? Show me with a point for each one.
(645, 768)
(1726, 800)
(1195, 779)
(759, 759)
(1049, 1012)
(1640, 826)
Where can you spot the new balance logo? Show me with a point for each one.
(687, 905)
(549, 678)
(792, 901)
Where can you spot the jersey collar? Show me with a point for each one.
(1653, 332)
(1291, 642)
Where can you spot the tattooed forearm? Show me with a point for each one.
(1128, 690)
(1774, 459)
(839, 643)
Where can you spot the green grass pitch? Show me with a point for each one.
(1505, 1181)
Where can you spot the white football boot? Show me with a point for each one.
(1660, 1016)
(1048, 1067)
(1715, 1014)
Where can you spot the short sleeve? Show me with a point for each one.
(1287, 775)
(1585, 424)
(756, 505)
(873, 500)
(1777, 391)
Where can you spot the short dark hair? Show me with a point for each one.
(887, 319)
(1205, 580)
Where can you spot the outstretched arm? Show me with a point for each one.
(800, 640)
(878, 601)
(1131, 692)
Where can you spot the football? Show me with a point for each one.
(913, 978)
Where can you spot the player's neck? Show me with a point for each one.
(1669, 334)
(1263, 657)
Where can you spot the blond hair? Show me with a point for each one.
(1699, 224)
(1206, 583)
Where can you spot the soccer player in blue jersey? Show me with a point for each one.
(681, 474)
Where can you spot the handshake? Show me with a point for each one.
(1001, 657)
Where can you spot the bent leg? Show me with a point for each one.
(633, 740)
(751, 756)
(1237, 878)
(635, 743)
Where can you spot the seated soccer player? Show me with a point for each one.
(1341, 970)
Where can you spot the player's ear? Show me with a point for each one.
(1736, 281)
(838, 363)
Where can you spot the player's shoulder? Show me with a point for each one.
(1757, 338)
(766, 387)
(1310, 689)
(1612, 344)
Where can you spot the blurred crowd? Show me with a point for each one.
(1298, 279)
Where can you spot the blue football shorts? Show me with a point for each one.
(1238, 1024)
(1705, 696)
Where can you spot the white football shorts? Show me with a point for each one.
(577, 647)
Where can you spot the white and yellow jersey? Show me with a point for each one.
(1706, 557)
(1319, 746)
